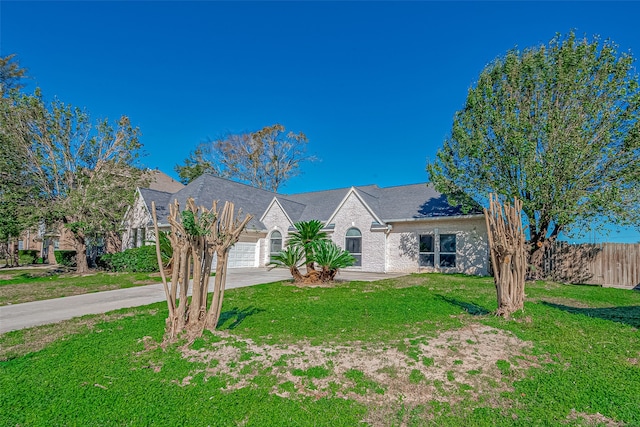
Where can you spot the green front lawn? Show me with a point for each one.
(418, 350)
(33, 284)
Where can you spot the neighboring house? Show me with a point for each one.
(61, 238)
(409, 228)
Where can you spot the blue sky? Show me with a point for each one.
(374, 85)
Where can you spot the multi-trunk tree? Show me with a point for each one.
(556, 126)
(508, 253)
(197, 236)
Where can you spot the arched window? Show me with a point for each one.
(353, 244)
(275, 243)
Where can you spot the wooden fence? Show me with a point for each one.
(607, 264)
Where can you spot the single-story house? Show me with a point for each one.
(407, 228)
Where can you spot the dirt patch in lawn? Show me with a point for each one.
(476, 362)
(596, 419)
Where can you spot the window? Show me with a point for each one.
(353, 244)
(426, 254)
(275, 243)
(447, 250)
(20, 245)
(142, 235)
(134, 238)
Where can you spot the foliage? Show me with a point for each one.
(312, 245)
(142, 259)
(11, 75)
(265, 159)
(28, 256)
(330, 258)
(66, 258)
(291, 257)
(166, 250)
(44, 388)
(18, 194)
(84, 172)
(307, 234)
(556, 126)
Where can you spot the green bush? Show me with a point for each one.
(66, 258)
(28, 256)
(142, 259)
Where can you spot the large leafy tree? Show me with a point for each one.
(18, 194)
(84, 171)
(265, 159)
(556, 126)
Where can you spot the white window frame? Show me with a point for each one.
(356, 255)
(271, 253)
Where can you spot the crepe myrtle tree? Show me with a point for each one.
(556, 126)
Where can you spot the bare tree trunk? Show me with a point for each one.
(81, 254)
(195, 238)
(51, 254)
(508, 254)
(13, 259)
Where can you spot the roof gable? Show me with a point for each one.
(353, 192)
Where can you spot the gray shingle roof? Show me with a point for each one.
(405, 202)
(162, 202)
(414, 201)
(207, 188)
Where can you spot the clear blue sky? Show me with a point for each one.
(374, 85)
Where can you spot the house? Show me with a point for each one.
(57, 237)
(408, 228)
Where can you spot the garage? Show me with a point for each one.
(242, 254)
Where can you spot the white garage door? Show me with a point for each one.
(242, 254)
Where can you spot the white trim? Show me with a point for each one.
(438, 218)
(353, 191)
(275, 201)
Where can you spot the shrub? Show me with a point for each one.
(66, 258)
(142, 259)
(28, 256)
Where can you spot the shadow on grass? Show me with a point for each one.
(469, 307)
(238, 314)
(629, 315)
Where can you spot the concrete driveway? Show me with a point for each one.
(26, 315)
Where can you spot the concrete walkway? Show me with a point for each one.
(26, 315)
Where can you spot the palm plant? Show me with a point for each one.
(330, 258)
(307, 234)
(292, 258)
(312, 245)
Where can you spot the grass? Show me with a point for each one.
(331, 356)
(34, 284)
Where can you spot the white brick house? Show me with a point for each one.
(409, 228)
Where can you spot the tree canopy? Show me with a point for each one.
(64, 168)
(18, 193)
(265, 159)
(556, 126)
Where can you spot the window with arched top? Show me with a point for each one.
(275, 243)
(353, 244)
